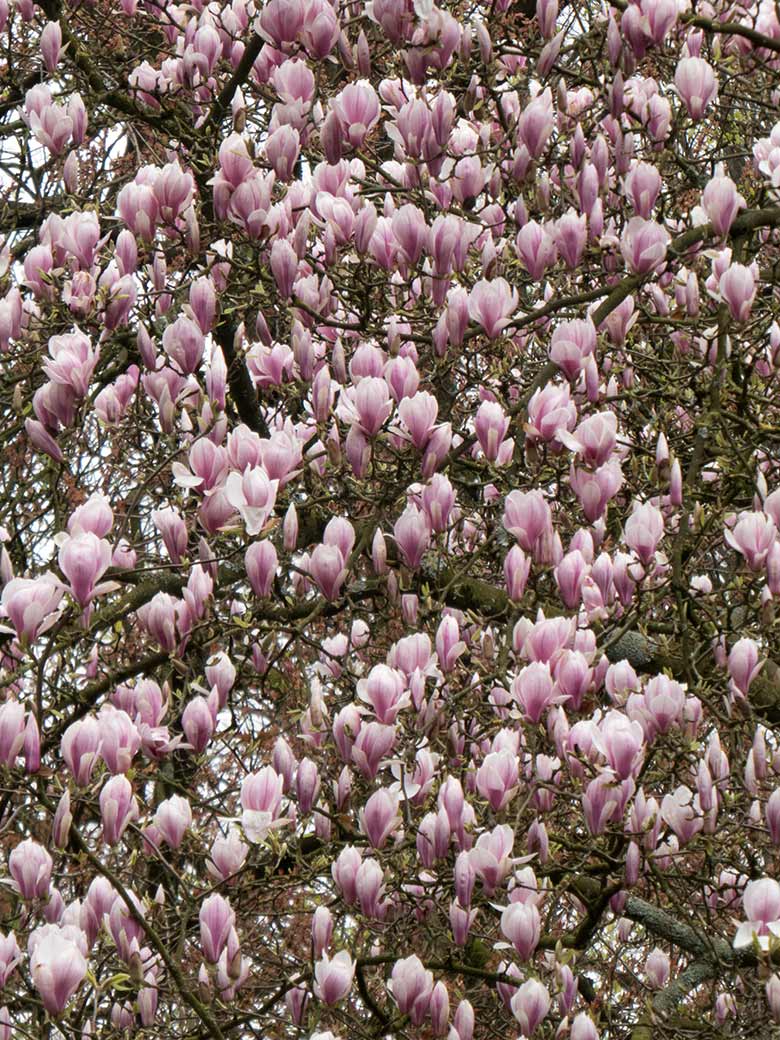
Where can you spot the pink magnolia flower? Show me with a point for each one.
(372, 404)
(570, 575)
(536, 248)
(491, 424)
(527, 516)
(380, 817)
(530, 1005)
(657, 968)
(664, 702)
(536, 123)
(384, 689)
(333, 977)
(83, 559)
(582, 1027)
(418, 414)
(571, 343)
(642, 186)
(753, 536)
(161, 617)
(183, 342)
(696, 84)
(682, 812)
(51, 45)
(261, 562)
(197, 721)
(517, 567)
(52, 127)
(328, 569)
(550, 411)
(80, 748)
(71, 362)
(372, 743)
(497, 778)
(58, 968)
(600, 802)
(437, 499)
(761, 903)
(744, 664)
(521, 924)
(571, 236)
(594, 439)
(171, 526)
(30, 865)
(10, 955)
(94, 515)
(412, 535)
(261, 800)
(118, 808)
(119, 739)
(644, 530)
(737, 286)
(534, 691)
(253, 494)
(622, 743)
(227, 856)
(358, 111)
(216, 918)
(412, 987)
(643, 245)
(722, 202)
(173, 819)
(595, 488)
(30, 604)
(491, 303)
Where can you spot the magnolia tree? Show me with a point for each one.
(390, 519)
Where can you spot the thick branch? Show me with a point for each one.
(684, 936)
(224, 98)
(241, 387)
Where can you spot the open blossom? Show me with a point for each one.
(261, 801)
(527, 516)
(83, 559)
(253, 494)
(681, 811)
(594, 439)
(333, 977)
(71, 362)
(497, 777)
(412, 987)
(491, 304)
(761, 905)
(643, 245)
(530, 1005)
(521, 923)
(621, 741)
(571, 344)
(58, 968)
(753, 536)
(30, 604)
(357, 108)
